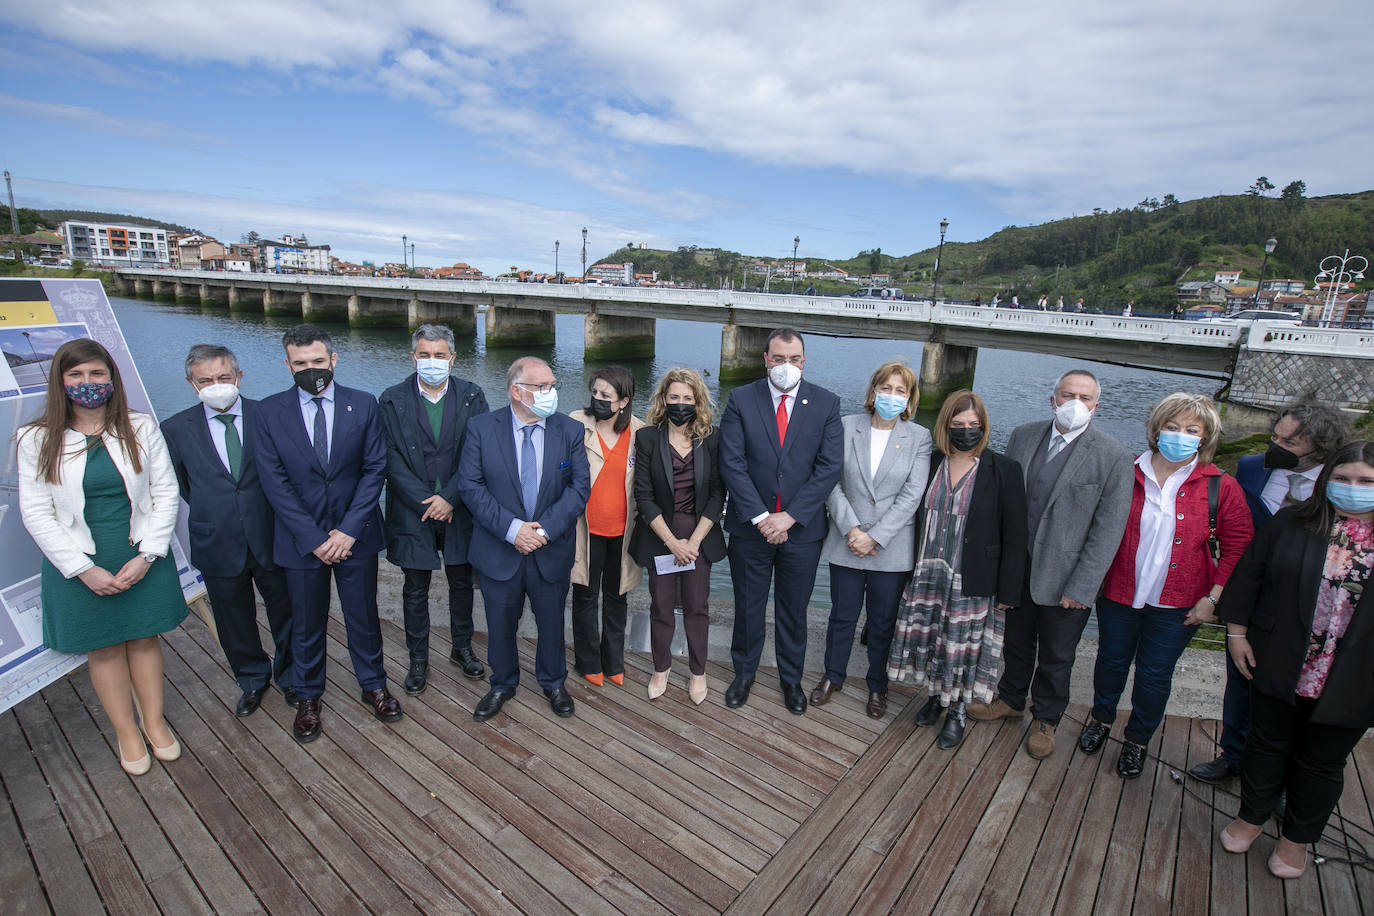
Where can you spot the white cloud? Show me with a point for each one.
(92, 119)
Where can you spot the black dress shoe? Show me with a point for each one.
(1093, 737)
(491, 704)
(1131, 763)
(560, 702)
(289, 694)
(1215, 771)
(737, 694)
(794, 698)
(306, 728)
(953, 731)
(414, 684)
(249, 702)
(463, 657)
(929, 713)
(384, 706)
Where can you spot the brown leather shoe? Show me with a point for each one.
(877, 705)
(306, 728)
(821, 695)
(997, 709)
(1040, 744)
(384, 705)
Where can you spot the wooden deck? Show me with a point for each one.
(630, 806)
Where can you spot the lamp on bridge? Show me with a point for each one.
(935, 287)
(796, 240)
(404, 248)
(556, 277)
(584, 254)
(1269, 247)
(1343, 270)
(412, 255)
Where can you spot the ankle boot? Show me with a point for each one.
(953, 732)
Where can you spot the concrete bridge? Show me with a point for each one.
(1263, 364)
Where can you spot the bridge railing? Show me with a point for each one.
(1324, 341)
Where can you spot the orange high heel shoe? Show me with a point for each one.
(594, 679)
(616, 679)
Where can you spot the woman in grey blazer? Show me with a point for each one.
(871, 538)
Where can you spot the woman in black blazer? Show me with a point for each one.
(1300, 625)
(678, 497)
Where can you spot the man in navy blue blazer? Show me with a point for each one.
(523, 475)
(230, 523)
(781, 451)
(322, 458)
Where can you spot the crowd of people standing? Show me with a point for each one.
(976, 571)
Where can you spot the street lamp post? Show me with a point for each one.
(796, 240)
(1269, 247)
(556, 277)
(404, 248)
(1343, 269)
(584, 254)
(935, 287)
(412, 255)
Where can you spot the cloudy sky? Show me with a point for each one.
(485, 131)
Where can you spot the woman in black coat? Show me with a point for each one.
(1300, 625)
(678, 497)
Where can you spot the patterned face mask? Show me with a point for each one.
(90, 394)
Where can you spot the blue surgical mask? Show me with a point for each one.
(1176, 446)
(1350, 497)
(432, 371)
(889, 406)
(545, 403)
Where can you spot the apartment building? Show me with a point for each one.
(292, 255)
(115, 244)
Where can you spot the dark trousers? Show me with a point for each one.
(1152, 638)
(1287, 750)
(236, 624)
(753, 564)
(605, 653)
(1038, 652)
(848, 589)
(689, 590)
(1235, 712)
(505, 602)
(415, 607)
(356, 581)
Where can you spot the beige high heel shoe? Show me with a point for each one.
(658, 684)
(166, 753)
(696, 688)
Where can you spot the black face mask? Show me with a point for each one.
(313, 381)
(1279, 458)
(680, 414)
(602, 410)
(966, 439)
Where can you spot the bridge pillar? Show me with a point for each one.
(460, 318)
(610, 337)
(281, 303)
(741, 352)
(244, 299)
(121, 286)
(512, 327)
(323, 307)
(945, 368)
(186, 293)
(165, 291)
(213, 296)
(377, 312)
(143, 289)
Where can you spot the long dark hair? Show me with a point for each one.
(58, 414)
(623, 383)
(1317, 514)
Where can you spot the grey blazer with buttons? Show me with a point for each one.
(883, 505)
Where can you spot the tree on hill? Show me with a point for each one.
(1261, 187)
(1169, 201)
(1293, 193)
(875, 260)
(250, 238)
(29, 220)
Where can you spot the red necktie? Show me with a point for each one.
(782, 437)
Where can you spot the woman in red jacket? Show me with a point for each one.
(1168, 573)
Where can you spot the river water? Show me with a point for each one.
(1015, 386)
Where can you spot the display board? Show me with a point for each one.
(37, 317)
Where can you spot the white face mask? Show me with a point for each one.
(785, 376)
(545, 403)
(1072, 415)
(219, 396)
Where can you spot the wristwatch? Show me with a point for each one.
(150, 558)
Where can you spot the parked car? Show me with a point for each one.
(1247, 317)
(879, 292)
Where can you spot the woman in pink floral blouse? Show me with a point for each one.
(1300, 625)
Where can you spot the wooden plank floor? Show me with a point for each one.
(630, 806)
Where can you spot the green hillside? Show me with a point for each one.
(33, 219)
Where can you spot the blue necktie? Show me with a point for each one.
(321, 434)
(529, 472)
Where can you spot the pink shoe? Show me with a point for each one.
(1281, 869)
(1237, 844)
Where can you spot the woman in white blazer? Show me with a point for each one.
(98, 494)
(871, 538)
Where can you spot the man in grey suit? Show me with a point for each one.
(1078, 496)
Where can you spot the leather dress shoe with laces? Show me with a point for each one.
(877, 705)
(491, 704)
(463, 657)
(794, 698)
(953, 732)
(290, 696)
(929, 714)
(821, 695)
(1131, 763)
(1215, 771)
(384, 706)
(560, 702)
(737, 694)
(1094, 735)
(306, 728)
(414, 684)
(249, 702)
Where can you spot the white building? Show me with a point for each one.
(115, 244)
(292, 255)
(1227, 277)
(613, 273)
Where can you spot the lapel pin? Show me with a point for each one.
(350, 408)
(805, 401)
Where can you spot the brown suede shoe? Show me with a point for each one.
(997, 709)
(1040, 744)
(821, 695)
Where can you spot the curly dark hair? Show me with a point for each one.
(1325, 426)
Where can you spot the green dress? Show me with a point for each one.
(76, 619)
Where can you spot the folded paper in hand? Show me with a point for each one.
(666, 564)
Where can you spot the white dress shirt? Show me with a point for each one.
(308, 414)
(776, 393)
(1067, 437)
(432, 398)
(1276, 489)
(1157, 525)
(877, 444)
(217, 431)
(537, 440)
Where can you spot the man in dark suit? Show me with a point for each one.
(524, 477)
(230, 523)
(1303, 435)
(781, 448)
(425, 418)
(1078, 497)
(322, 458)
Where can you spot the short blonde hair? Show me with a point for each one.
(658, 403)
(955, 404)
(1194, 406)
(882, 374)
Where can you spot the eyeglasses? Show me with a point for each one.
(538, 389)
(779, 360)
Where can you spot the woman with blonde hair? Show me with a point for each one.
(98, 494)
(678, 500)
